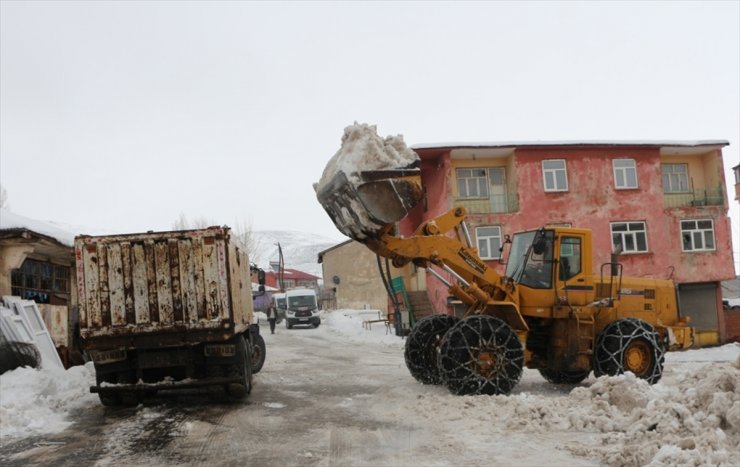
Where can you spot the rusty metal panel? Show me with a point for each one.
(115, 286)
(140, 285)
(161, 283)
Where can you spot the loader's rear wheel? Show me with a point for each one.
(258, 354)
(563, 377)
(481, 355)
(629, 344)
(422, 347)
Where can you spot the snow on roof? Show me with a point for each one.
(10, 220)
(508, 144)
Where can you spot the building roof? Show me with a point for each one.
(585, 144)
(12, 224)
(296, 275)
(322, 253)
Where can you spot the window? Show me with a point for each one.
(632, 236)
(489, 242)
(484, 184)
(675, 178)
(625, 174)
(38, 281)
(697, 235)
(472, 183)
(555, 175)
(570, 257)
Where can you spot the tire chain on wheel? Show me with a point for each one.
(459, 356)
(421, 348)
(614, 340)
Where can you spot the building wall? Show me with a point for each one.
(360, 285)
(592, 201)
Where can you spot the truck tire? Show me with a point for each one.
(422, 347)
(563, 377)
(259, 352)
(629, 344)
(241, 368)
(481, 355)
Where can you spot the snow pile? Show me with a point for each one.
(349, 324)
(693, 422)
(40, 401)
(362, 149)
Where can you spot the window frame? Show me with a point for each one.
(685, 173)
(696, 230)
(623, 171)
(39, 280)
(495, 253)
(553, 173)
(478, 179)
(631, 233)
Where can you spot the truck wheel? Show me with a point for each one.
(422, 347)
(241, 368)
(108, 399)
(481, 355)
(629, 344)
(259, 351)
(563, 377)
(287, 324)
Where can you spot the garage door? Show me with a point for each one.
(699, 301)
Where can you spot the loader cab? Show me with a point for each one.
(530, 259)
(551, 258)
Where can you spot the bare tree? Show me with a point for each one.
(243, 231)
(182, 223)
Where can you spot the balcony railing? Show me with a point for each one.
(495, 203)
(700, 197)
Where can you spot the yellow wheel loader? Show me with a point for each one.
(552, 310)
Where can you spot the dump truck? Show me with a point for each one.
(167, 311)
(552, 309)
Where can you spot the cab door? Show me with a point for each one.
(572, 285)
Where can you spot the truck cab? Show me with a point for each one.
(301, 308)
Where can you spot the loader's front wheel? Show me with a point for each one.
(563, 377)
(629, 344)
(481, 355)
(422, 347)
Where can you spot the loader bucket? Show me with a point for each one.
(364, 203)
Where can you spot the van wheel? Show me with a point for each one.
(629, 344)
(259, 352)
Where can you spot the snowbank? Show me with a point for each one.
(36, 402)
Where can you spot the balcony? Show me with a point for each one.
(700, 197)
(507, 202)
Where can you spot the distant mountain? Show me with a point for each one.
(300, 249)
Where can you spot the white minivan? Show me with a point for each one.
(301, 308)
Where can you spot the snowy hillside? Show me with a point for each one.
(300, 249)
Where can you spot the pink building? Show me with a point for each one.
(663, 202)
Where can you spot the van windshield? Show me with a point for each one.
(302, 301)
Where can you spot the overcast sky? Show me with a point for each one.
(122, 115)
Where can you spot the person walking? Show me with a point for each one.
(272, 317)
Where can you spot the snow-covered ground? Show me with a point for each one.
(691, 417)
